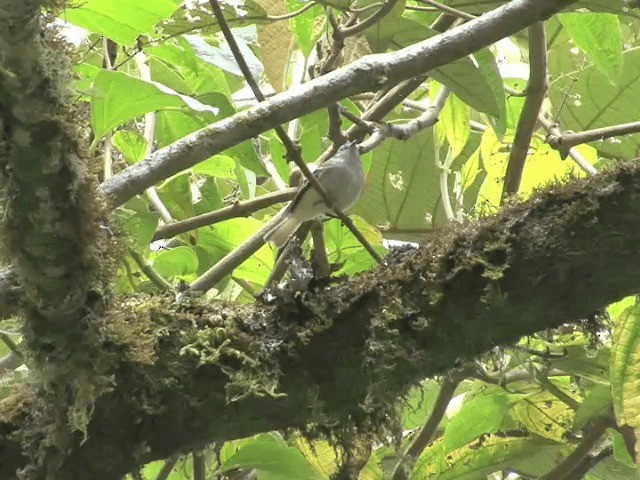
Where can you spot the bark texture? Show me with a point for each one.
(191, 374)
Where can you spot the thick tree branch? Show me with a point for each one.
(467, 289)
(367, 74)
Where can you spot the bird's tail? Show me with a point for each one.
(282, 230)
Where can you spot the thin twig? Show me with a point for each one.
(536, 91)
(238, 209)
(319, 258)
(515, 93)
(563, 142)
(149, 135)
(229, 262)
(107, 167)
(245, 285)
(369, 21)
(587, 463)
(447, 9)
(554, 390)
(157, 279)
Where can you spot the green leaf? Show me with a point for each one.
(223, 58)
(176, 194)
(419, 403)
(139, 226)
(625, 368)
(476, 81)
(223, 237)
(581, 361)
(620, 451)
(588, 101)
(612, 469)
(217, 166)
(343, 247)
(544, 165)
(597, 404)
(402, 192)
(598, 35)
(542, 414)
(528, 456)
(321, 455)
(120, 20)
(271, 458)
(132, 145)
(480, 415)
(495, 83)
(454, 119)
(305, 27)
(118, 97)
(176, 262)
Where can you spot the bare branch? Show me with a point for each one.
(536, 91)
(573, 153)
(238, 209)
(563, 142)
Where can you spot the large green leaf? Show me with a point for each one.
(222, 57)
(478, 416)
(419, 403)
(543, 165)
(270, 457)
(612, 469)
(402, 193)
(221, 238)
(121, 20)
(343, 247)
(586, 99)
(305, 27)
(454, 120)
(474, 79)
(118, 98)
(597, 404)
(529, 456)
(543, 414)
(139, 225)
(176, 262)
(132, 145)
(625, 368)
(598, 35)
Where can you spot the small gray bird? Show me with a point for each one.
(342, 177)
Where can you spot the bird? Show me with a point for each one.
(342, 178)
